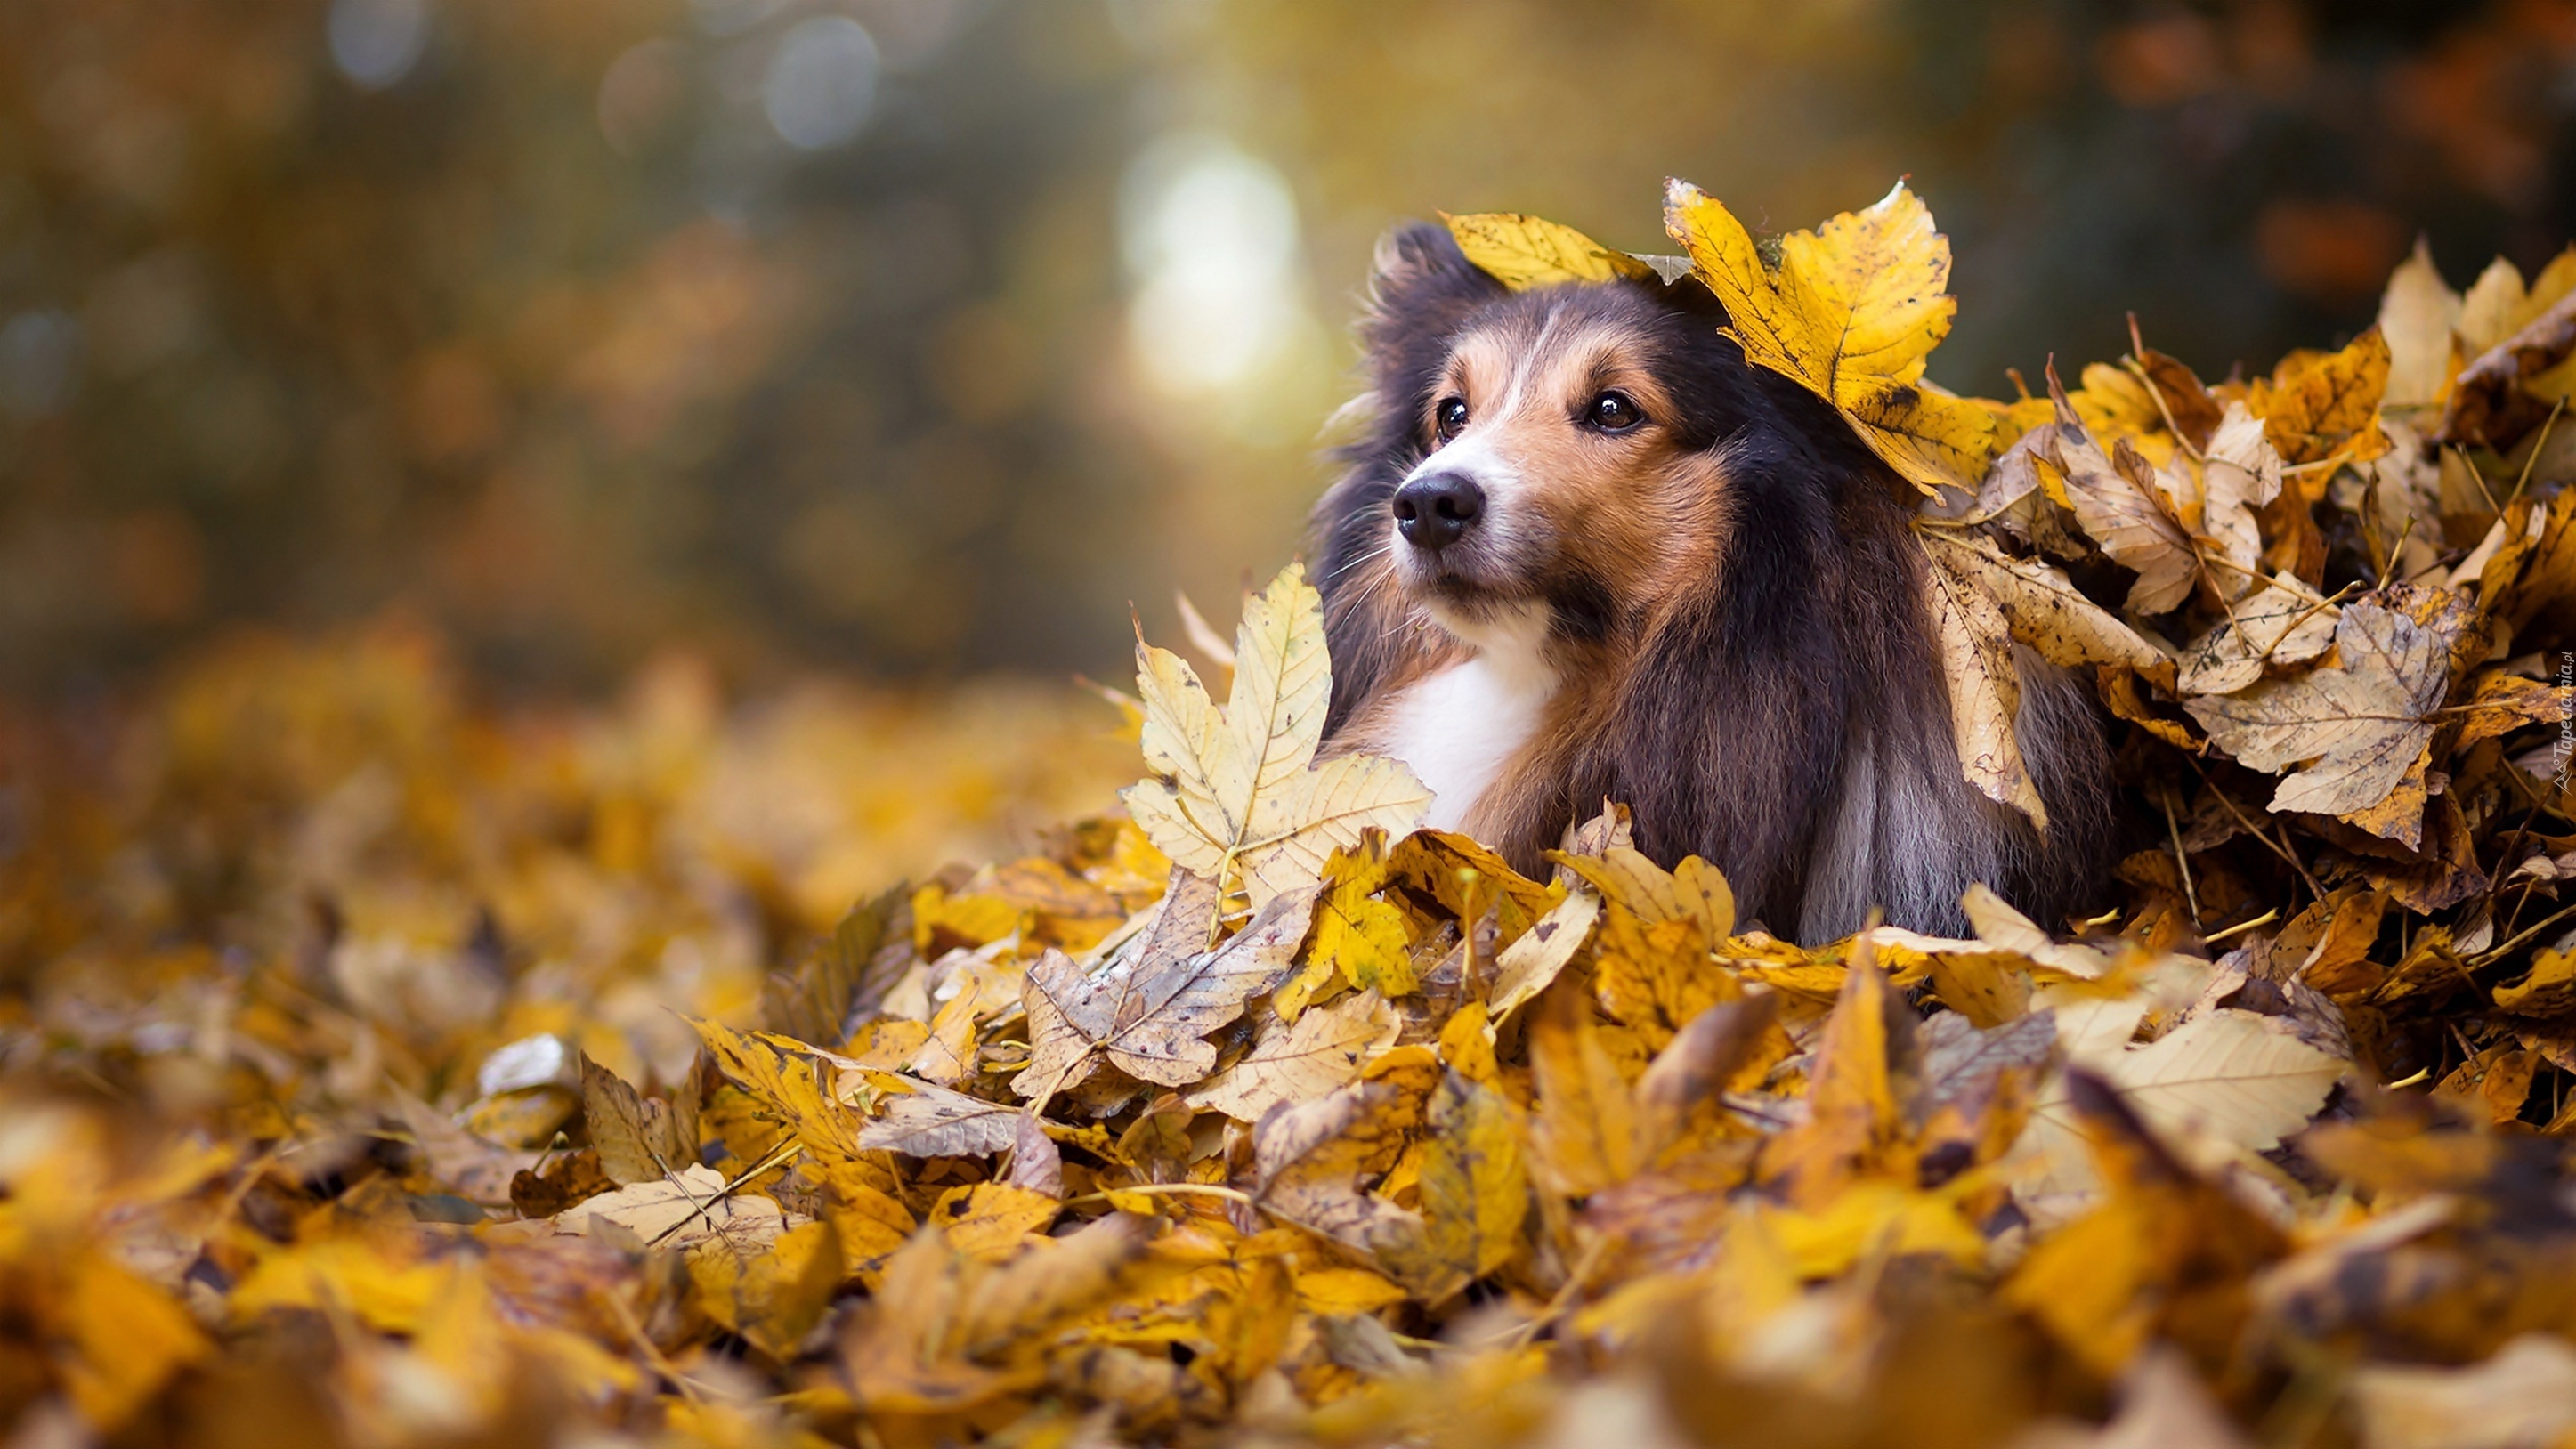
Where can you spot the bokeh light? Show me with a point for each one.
(820, 82)
(376, 42)
(1210, 234)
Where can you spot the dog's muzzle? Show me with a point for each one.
(1436, 511)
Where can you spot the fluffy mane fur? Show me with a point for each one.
(1750, 667)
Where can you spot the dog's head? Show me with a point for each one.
(1556, 454)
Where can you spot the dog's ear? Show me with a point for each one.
(1420, 288)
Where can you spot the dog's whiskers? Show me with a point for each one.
(1375, 553)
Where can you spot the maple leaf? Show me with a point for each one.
(2325, 405)
(2280, 624)
(1522, 252)
(1297, 1061)
(1853, 310)
(1150, 1017)
(1232, 790)
(2352, 726)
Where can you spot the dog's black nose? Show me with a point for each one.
(1435, 512)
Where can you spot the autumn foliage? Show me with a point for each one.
(387, 1072)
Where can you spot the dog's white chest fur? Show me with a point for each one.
(1461, 727)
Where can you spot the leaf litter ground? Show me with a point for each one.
(385, 1071)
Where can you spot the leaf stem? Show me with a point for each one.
(2528, 463)
(2181, 861)
(777, 1155)
(2543, 924)
(1170, 1189)
(2241, 927)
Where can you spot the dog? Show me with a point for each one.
(1585, 552)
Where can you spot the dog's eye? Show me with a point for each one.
(1613, 412)
(1451, 416)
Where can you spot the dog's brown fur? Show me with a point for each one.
(1722, 600)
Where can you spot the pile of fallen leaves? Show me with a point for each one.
(342, 1103)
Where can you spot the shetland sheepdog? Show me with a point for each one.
(1585, 552)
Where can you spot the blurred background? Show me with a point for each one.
(911, 339)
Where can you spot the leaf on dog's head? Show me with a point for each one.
(1852, 311)
(1232, 792)
(1522, 252)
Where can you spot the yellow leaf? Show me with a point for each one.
(1853, 312)
(1330, 1291)
(2418, 314)
(1871, 1218)
(1472, 1190)
(1311, 1157)
(638, 1139)
(1852, 1113)
(2548, 989)
(2276, 625)
(1985, 683)
(790, 1083)
(1526, 966)
(1151, 1018)
(127, 1338)
(870, 1223)
(2084, 1283)
(989, 1220)
(1522, 252)
(1466, 1044)
(1467, 880)
(685, 1208)
(2042, 606)
(2115, 498)
(920, 1119)
(1586, 1135)
(379, 1282)
(772, 1295)
(1231, 790)
(2320, 405)
(1367, 939)
(941, 921)
(1297, 1062)
(1043, 1282)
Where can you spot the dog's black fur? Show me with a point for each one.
(1803, 670)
